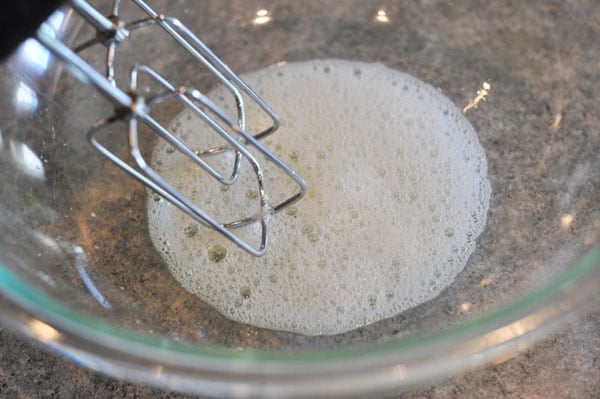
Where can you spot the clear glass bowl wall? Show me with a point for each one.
(79, 272)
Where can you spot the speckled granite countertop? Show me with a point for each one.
(564, 365)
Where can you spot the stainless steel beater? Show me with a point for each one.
(133, 108)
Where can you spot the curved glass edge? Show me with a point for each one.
(105, 334)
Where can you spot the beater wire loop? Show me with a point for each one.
(135, 109)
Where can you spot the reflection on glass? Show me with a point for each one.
(35, 56)
(46, 240)
(381, 17)
(26, 160)
(25, 99)
(80, 262)
(55, 21)
(399, 371)
(481, 96)
(262, 17)
(566, 220)
(514, 330)
(43, 332)
(487, 280)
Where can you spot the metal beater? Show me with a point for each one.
(132, 107)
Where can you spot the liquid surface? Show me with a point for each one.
(398, 194)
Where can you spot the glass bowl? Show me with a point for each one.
(78, 270)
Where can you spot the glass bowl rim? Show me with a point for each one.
(61, 317)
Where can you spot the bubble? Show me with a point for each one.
(310, 233)
(291, 211)
(191, 230)
(364, 244)
(217, 253)
(245, 292)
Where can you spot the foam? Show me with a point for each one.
(398, 194)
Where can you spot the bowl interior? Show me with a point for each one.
(75, 228)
